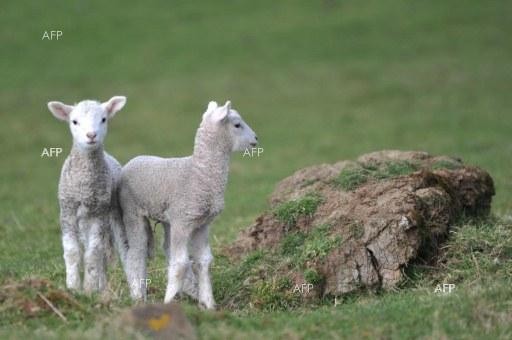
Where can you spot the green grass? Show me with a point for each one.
(312, 276)
(445, 164)
(289, 212)
(395, 169)
(477, 259)
(319, 81)
(317, 245)
(262, 280)
(258, 282)
(352, 177)
(292, 243)
(356, 175)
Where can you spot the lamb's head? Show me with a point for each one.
(88, 119)
(228, 127)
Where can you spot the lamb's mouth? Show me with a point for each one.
(91, 142)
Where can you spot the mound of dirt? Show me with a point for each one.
(36, 297)
(356, 224)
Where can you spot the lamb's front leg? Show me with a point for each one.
(178, 261)
(95, 277)
(71, 247)
(202, 256)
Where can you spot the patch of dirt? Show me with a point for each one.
(35, 297)
(383, 224)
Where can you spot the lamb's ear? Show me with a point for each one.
(113, 105)
(221, 113)
(60, 110)
(212, 106)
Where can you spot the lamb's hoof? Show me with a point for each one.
(74, 287)
(138, 300)
(74, 290)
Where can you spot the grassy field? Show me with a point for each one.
(318, 81)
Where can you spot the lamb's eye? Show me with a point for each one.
(238, 125)
(104, 120)
(75, 122)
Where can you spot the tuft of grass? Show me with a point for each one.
(445, 164)
(292, 242)
(478, 250)
(301, 247)
(318, 244)
(274, 294)
(352, 177)
(395, 169)
(263, 278)
(312, 276)
(229, 278)
(289, 212)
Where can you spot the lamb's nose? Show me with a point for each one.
(91, 135)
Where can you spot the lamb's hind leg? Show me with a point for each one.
(71, 247)
(95, 277)
(136, 255)
(202, 257)
(190, 281)
(118, 233)
(178, 260)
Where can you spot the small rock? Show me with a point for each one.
(162, 321)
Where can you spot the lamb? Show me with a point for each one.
(184, 195)
(89, 209)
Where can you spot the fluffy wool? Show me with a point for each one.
(185, 195)
(89, 209)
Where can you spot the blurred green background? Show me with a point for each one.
(318, 81)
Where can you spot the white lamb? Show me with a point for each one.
(184, 195)
(89, 209)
